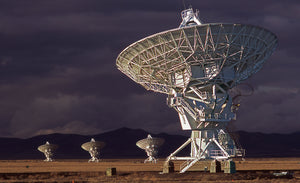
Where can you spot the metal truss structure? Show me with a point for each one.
(196, 65)
(199, 54)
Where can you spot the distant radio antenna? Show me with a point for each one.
(150, 145)
(93, 147)
(48, 150)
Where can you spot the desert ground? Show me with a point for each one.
(134, 170)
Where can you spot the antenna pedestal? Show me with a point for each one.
(206, 144)
(48, 154)
(94, 154)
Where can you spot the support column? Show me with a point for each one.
(204, 145)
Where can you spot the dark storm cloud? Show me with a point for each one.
(58, 73)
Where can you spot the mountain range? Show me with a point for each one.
(121, 143)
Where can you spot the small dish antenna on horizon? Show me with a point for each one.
(48, 150)
(93, 147)
(150, 145)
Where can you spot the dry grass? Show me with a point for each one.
(134, 170)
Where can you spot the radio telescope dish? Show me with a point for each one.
(93, 147)
(196, 65)
(48, 150)
(150, 145)
(178, 59)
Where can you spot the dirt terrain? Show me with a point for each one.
(134, 170)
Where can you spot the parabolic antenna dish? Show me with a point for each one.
(196, 65)
(46, 147)
(88, 145)
(148, 142)
(197, 55)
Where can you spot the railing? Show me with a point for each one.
(186, 106)
(201, 94)
(215, 153)
(231, 152)
(240, 152)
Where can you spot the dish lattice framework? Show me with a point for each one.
(167, 60)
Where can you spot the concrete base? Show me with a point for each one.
(168, 167)
(229, 166)
(215, 166)
(111, 172)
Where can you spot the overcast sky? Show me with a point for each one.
(58, 73)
